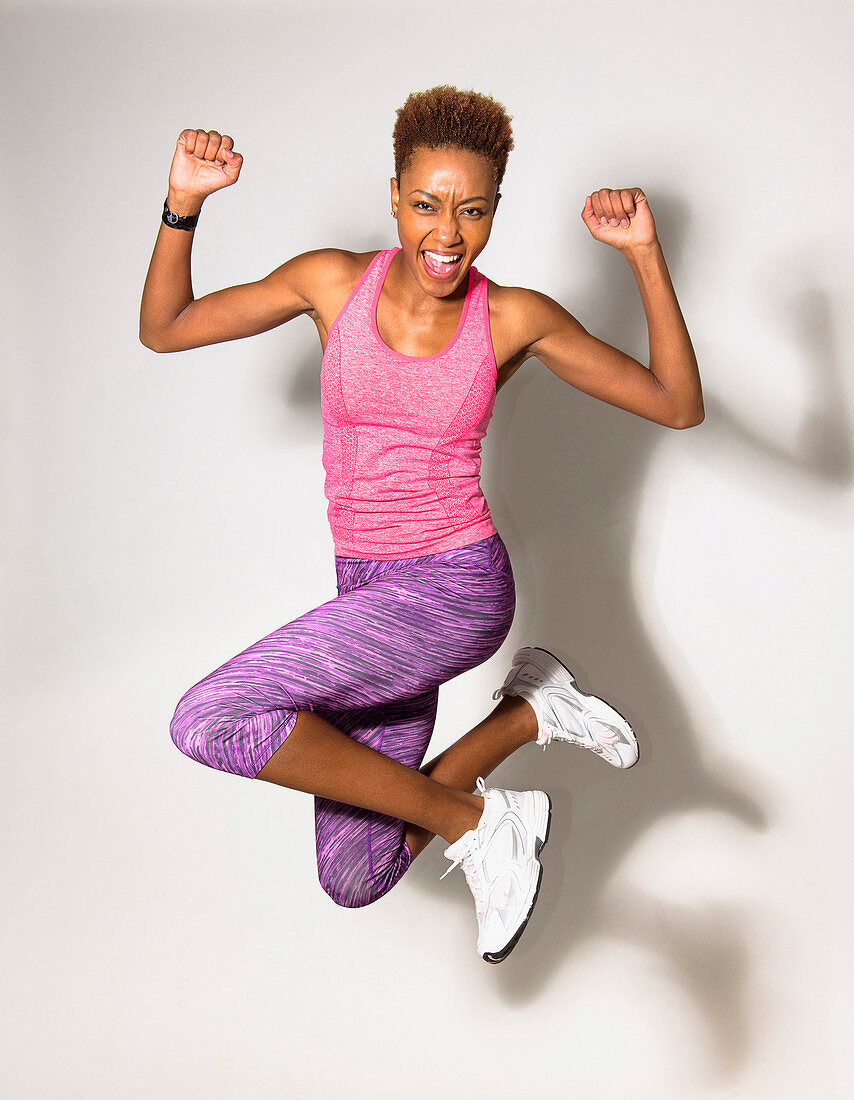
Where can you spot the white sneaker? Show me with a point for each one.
(500, 861)
(564, 712)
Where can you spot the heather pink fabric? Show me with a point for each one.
(401, 433)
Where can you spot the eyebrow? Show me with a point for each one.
(436, 198)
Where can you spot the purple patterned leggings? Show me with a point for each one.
(370, 661)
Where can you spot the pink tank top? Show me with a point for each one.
(401, 433)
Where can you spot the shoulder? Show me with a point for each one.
(334, 265)
(325, 276)
(340, 263)
(523, 316)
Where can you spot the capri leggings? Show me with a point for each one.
(370, 661)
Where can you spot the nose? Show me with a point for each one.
(448, 230)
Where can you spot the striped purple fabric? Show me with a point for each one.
(370, 661)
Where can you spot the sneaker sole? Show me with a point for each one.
(539, 844)
(588, 695)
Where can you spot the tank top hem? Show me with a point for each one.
(453, 541)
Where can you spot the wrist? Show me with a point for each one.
(182, 204)
(642, 252)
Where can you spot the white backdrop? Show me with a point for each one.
(163, 931)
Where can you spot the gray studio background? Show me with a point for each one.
(163, 931)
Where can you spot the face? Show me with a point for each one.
(445, 204)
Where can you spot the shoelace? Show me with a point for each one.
(470, 866)
(547, 735)
(473, 878)
(549, 730)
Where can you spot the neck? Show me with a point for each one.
(409, 293)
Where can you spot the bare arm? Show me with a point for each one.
(668, 392)
(170, 318)
(168, 287)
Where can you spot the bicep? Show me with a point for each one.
(247, 308)
(589, 364)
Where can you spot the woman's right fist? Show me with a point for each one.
(204, 161)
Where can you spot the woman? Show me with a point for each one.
(416, 343)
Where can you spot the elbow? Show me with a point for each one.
(691, 413)
(150, 343)
(688, 419)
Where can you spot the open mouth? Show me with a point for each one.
(441, 265)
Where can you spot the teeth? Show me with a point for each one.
(442, 258)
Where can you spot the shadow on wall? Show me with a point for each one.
(571, 473)
(564, 495)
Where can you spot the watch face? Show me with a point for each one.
(172, 217)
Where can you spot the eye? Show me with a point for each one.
(421, 202)
(474, 210)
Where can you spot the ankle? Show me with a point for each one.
(523, 716)
(475, 803)
(470, 811)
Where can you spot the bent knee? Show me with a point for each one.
(352, 887)
(190, 728)
(215, 740)
(181, 725)
(352, 895)
(197, 742)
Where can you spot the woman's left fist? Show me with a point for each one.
(621, 218)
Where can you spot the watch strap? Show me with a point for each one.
(177, 221)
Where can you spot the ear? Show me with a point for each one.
(495, 204)
(395, 195)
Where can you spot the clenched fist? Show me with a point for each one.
(204, 161)
(621, 218)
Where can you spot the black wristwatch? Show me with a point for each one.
(176, 221)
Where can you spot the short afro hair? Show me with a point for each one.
(446, 116)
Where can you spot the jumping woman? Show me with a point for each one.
(341, 702)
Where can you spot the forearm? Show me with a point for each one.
(168, 287)
(671, 355)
